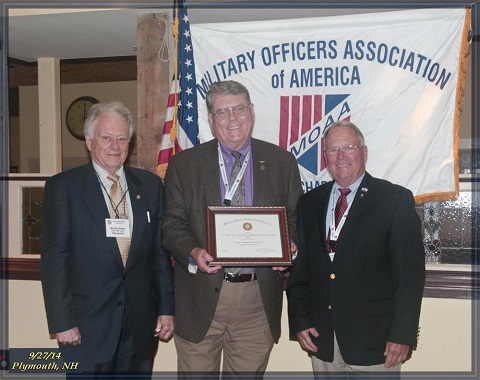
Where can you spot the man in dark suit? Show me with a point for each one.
(115, 307)
(234, 310)
(355, 290)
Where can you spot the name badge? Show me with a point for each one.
(117, 227)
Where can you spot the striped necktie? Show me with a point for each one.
(341, 205)
(340, 209)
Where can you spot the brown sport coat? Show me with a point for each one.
(192, 182)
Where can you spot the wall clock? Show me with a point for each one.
(77, 113)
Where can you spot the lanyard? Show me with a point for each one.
(229, 192)
(115, 207)
(335, 232)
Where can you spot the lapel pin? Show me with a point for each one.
(138, 196)
(364, 190)
(262, 165)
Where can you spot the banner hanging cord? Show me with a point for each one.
(164, 56)
(164, 50)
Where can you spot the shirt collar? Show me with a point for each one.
(243, 151)
(103, 174)
(353, 187)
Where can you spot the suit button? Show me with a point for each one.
(216, 290)
(120, 303)
(124, 277)
(332, 276)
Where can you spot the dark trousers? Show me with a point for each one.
(123, 365)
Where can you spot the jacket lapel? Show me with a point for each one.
(321, 211)
(138, 200)
(210, 174)
(362, 197)
(260, 166)
(95, 203)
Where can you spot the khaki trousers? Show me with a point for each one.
(239, 330)
(334, 370)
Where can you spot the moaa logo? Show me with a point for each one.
(303, 120)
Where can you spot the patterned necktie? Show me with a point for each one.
(118, 207)
(239, 196)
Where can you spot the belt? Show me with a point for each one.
(240, 277)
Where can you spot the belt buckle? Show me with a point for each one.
(232, 275)
(239, 277)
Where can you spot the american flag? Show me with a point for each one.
(181, 123)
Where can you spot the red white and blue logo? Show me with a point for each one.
(303, 120)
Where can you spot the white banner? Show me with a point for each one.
(393, 74)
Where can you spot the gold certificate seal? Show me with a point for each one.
(247, 226)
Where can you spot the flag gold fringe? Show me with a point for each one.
(461, 81)
(162, 170)
(173, 130)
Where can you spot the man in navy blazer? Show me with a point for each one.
(114, 312)
(355, 290)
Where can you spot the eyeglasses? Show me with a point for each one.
(224, 113)
(349, 149)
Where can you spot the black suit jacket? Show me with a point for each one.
(193, 182)
(372, 291)
(84, 282)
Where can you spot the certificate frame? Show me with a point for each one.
(260, 233)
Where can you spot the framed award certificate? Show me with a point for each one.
(248, 236)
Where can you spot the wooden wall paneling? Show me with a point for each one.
(153, 82)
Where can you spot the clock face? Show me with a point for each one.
(76, 115)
